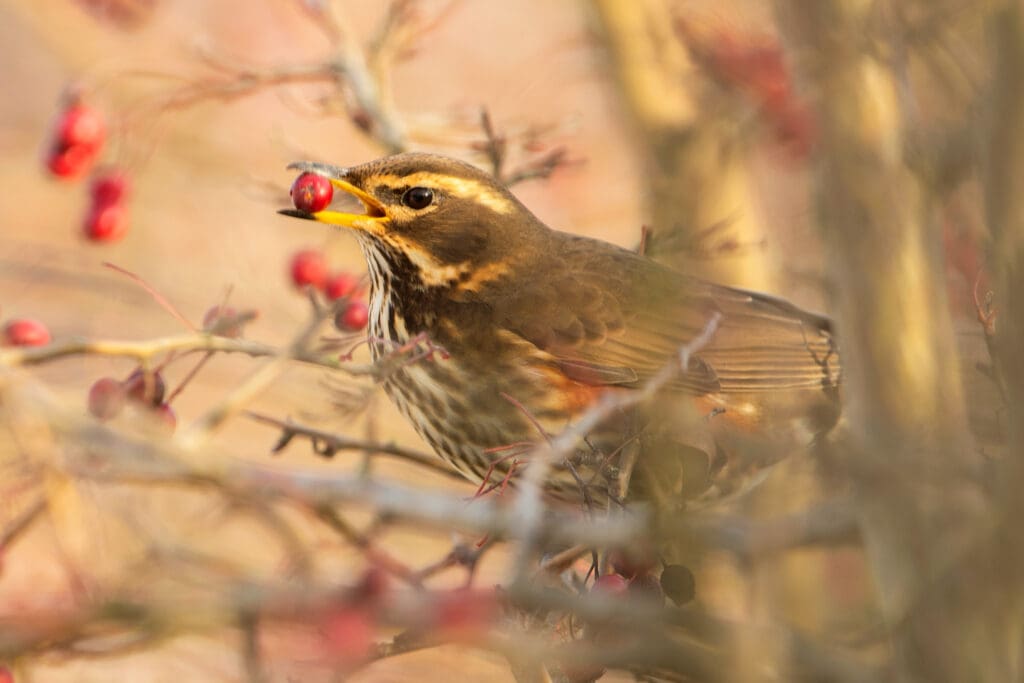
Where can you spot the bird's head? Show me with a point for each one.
(448, 218)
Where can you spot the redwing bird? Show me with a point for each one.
(539, 323)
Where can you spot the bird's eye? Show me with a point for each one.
(418, 197)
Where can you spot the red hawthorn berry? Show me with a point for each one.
(111, 186)
(630, 562)
(353, 317)
(765, 74)
(465, 613)
(81, 125)
(611, 584)
(309, 268)
(106, 222)
(341, 285)
(146, 388)
(70, 162)
(647, 587)
(311, 192)
(78, 138)
(25, 332)
(106, 398)
(348, 634)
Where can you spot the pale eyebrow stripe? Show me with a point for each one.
(464, 188)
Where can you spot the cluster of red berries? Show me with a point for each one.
(311, 193)
(309, 269)
(108, 396)
(146, 390)
(25, 332)
(78, 138)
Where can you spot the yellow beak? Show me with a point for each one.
(372, 221)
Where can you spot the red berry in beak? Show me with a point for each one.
(311, 192)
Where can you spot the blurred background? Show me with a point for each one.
(838, 156)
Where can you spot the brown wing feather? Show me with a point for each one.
(613, 317)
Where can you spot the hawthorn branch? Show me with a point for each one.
(326, 444)
(145, 350)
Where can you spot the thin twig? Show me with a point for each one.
(328, 443)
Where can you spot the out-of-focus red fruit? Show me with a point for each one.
(106, 222)
(341, 285)
(309, 268)
(165, 413)
(647, 587)
(353, 318)
(311, 192)
(81, 125)
(111, 186)
(611, 584)
(70, 162)
(106, 398)
(348, 634)
(223, 322)
(5, 675)
(465, 614)
(26, 332)
(630, 562)
(146, 388)
(78, 137)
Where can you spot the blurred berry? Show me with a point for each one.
(311, 192)
(348, 632)
(465, 614)
(106, 398)
(77, 140)
(81, 125)
(110, 186)
(341, 285)
(646, 586)
(6, 676)
(26, 332)
(106, 222)
(353, 317)
(309, 268)
(70, 162)
(630, 562)
(611, 584)
(147, 388)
